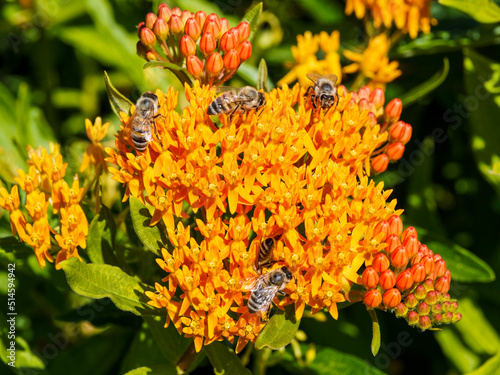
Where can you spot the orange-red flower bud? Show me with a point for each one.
(420, 292)
(231, 60)
(185, 15)
(164, 12)
(228, 41)
(409, 231)
(439, 267)
(380, 263)
(377, 97)
(224, 25)
(401, 310)
(244, 29)
(404, 280)
(400, 132)
(176, 25)
(214, 64)
(150, 55)
(393, 110)
(244, 50)
(411, 245)
(437, 319)
(141, 50)
(412, 318)
(194, 66)
(423, 308)
(161, 29)
(424, 323)
(447, 317)
(428, 263)
(187, 46)
(399, 257)
(396, 225)
(392, 242)
(411, 301)
(442, 284)
(192, 28)
(417, 258)
(364, 93)
(436, 308)
(208, 44)
(380, 163)
(177, 11)
(148, 37)
(372, 298)
(424, 249)
(369, 278)
(418, 272)
(212, 25)
(200, 16)
(432, 297)
(446, 306)
(365, 105)
(387, 279)
(382, 227)
(392, 298)
(150, 20)
(456, 317)
(395, 151)
(140, 26)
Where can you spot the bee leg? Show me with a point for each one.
(337, 101)
(281, 292)
(232, 113)
(312, 96)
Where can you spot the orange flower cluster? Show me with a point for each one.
(305, 54)
(44, 185)
(287, 170)
(410, 16)
(206, 46)
(399, 132)
(95, 153)
(409, 279)
(373, 62)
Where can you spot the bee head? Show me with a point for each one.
(287, 272)
(262, 99)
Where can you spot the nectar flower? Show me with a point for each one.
(95, 153)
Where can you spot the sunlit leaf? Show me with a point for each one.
(153, 238)
(253, 18)
(101, 236)
(490, 367)
(262, 76)
(280, 329)
(453, 348)
(102, 280)
(376, 337)
(485, 11)
(224, 360)
(119, 103)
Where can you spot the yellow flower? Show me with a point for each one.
(95, 153)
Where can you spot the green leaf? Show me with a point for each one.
(280, 330)
(119, 103)
(482, 84)
(102, 280)
(151, 237)
(428, 86)
(167, 339)
(463, 264)
(154, 370)
(224, 360)
(262, 76)
(253, 18)
(485, 11)
(490, 367)
(250, 74)
(24, 358)
(451, 345)
(181, 73)
(13, 245)
(101, 237)
(375, 346)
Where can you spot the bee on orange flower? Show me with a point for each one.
(143, 120)
(265, 257)
(235, 100)
(324, 91)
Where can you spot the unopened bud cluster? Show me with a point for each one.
(388, 116)
(204, 44)
(409, 279)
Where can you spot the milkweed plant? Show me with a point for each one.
(189, 214)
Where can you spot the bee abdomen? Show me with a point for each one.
(217, 107)
(140, 140)
(255, 302)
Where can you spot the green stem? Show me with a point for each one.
(187, 359)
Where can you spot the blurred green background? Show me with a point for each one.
(54, 53)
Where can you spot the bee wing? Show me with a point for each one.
(249, 283)
(266, 296)
(331, 77)
(238, 90)
(313, 76)
(225, 88)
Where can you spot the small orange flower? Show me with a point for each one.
(95, 153)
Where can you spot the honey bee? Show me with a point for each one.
(142, 120)
(324, 90)
(264, 288)
(235, 100)
(264, 259)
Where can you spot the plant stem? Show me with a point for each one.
(187, 359)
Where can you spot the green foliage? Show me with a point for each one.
(280, 330)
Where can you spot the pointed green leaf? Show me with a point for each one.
(251, 74)
(451, 345)
(463, 264)
(119, 103)
(102, 280)
(101, 236)
(224, 360)
(253, 18)
(153, 238)
(181, 73)
(280, 330)
(482, 84)
(490, 367)
(167, 339)
(428, 86)
(375, 346)
(154, 370)
(262, 76)
(485, 11)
